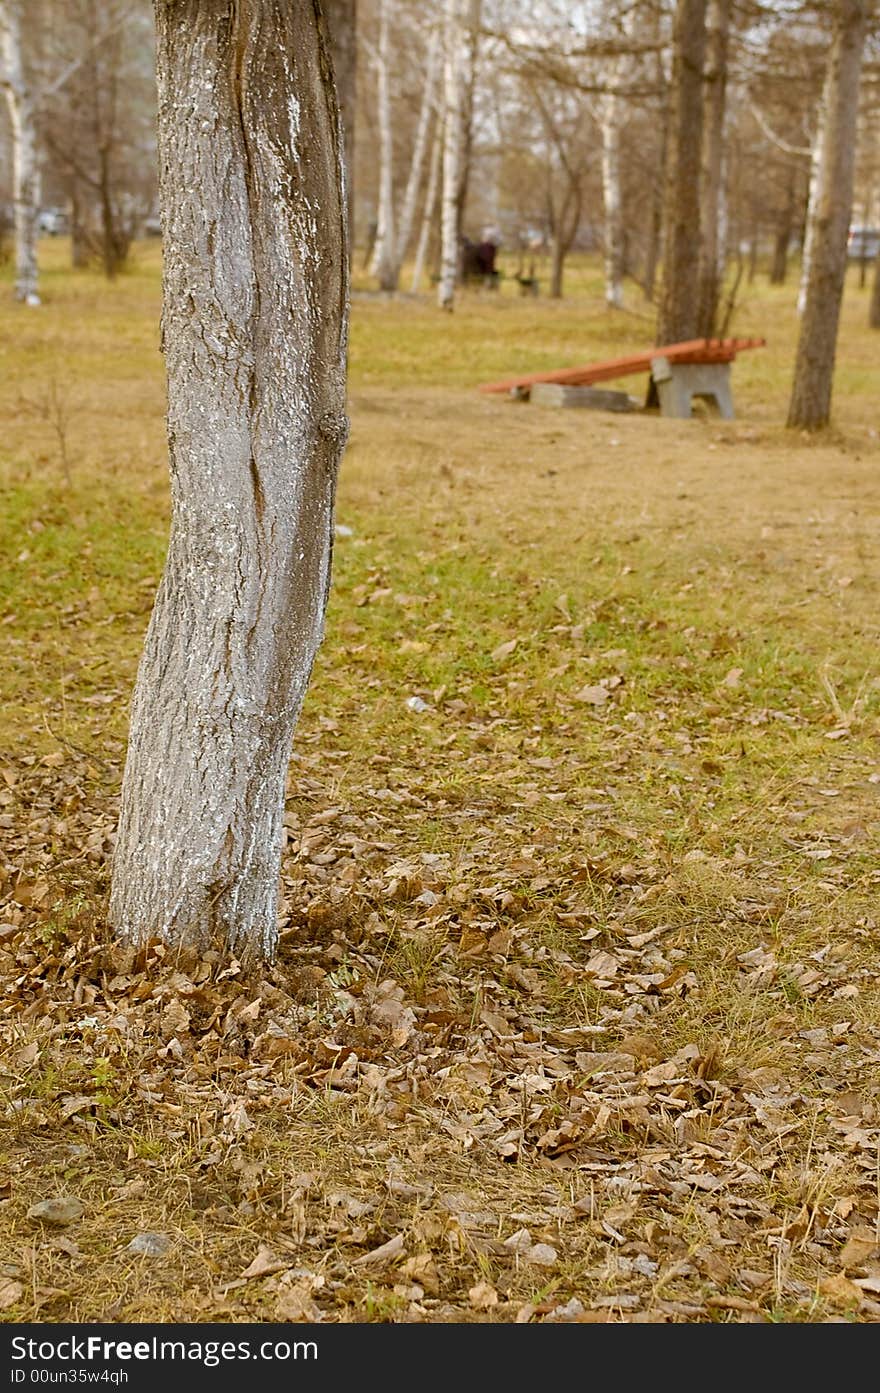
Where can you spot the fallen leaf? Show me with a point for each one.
(593, 695)
(386, 1252)
(263, 1264)
(10, 1294)
(483, 1296)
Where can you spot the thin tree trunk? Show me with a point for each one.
(711, 270)
(420, 144)
(452, 141)
(342, 23)
(254, 334)
(874, 308)
(385, 265)
(430, 201)
(810, 405)
(25, 170)
(679, 309)
(815, 189)
(782, 241)
(470, 41)
(609, 125)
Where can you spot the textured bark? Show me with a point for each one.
(810, 405)
(384, 264)
(254, 334)
(452, 149)
(712, 248)
(680, 298)
(25, 169)
(342, 23)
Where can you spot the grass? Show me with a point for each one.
(587, 945)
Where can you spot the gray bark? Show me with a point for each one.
(711, 270)
(680, 301)
(25, 169)
(810, 405)
(255, 319)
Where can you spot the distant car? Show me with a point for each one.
(863, 243)
(52, 220)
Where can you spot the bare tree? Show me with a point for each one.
(679, 308)
(810, 404)
(255, 321)
(711, 267)
(453, 37)
(25, 170)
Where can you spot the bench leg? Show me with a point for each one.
(678, 383)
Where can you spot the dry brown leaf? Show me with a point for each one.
(483, 1296)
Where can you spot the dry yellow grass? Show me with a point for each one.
(587, 946)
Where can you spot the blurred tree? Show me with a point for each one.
(810, 404)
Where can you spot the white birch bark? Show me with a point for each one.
(420, 145)
(452, 146)
(254, 334)
(25, 169)
(430, 202)
(816, 188)
(385, 263)
(610, 122)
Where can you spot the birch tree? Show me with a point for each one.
(384, 262)
(25, 169)
(254, 333)
(810, 404)
(452, 152)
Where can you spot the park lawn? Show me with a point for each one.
(576, 1006)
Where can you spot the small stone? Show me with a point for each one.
(59, 1210)
(149, 1245)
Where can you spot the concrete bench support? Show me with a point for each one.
(555, 394)
(676, 384)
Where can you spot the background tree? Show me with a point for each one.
(254, 331)
(17, 89)
(679, 310)
(810, 404)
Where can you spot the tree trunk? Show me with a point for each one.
(610, 124)
(255, 319)
(815, 189)
(25, 170)
(679, 307)
(430, 201)
(342, 23)
(452, 142)
(782, 240)
(470, 42)
(384, 264)
(810, 406)
(874, 308)
(420, 145)
(711, 270)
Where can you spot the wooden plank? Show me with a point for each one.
(691, 351)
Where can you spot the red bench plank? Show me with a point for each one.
(691, 351)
